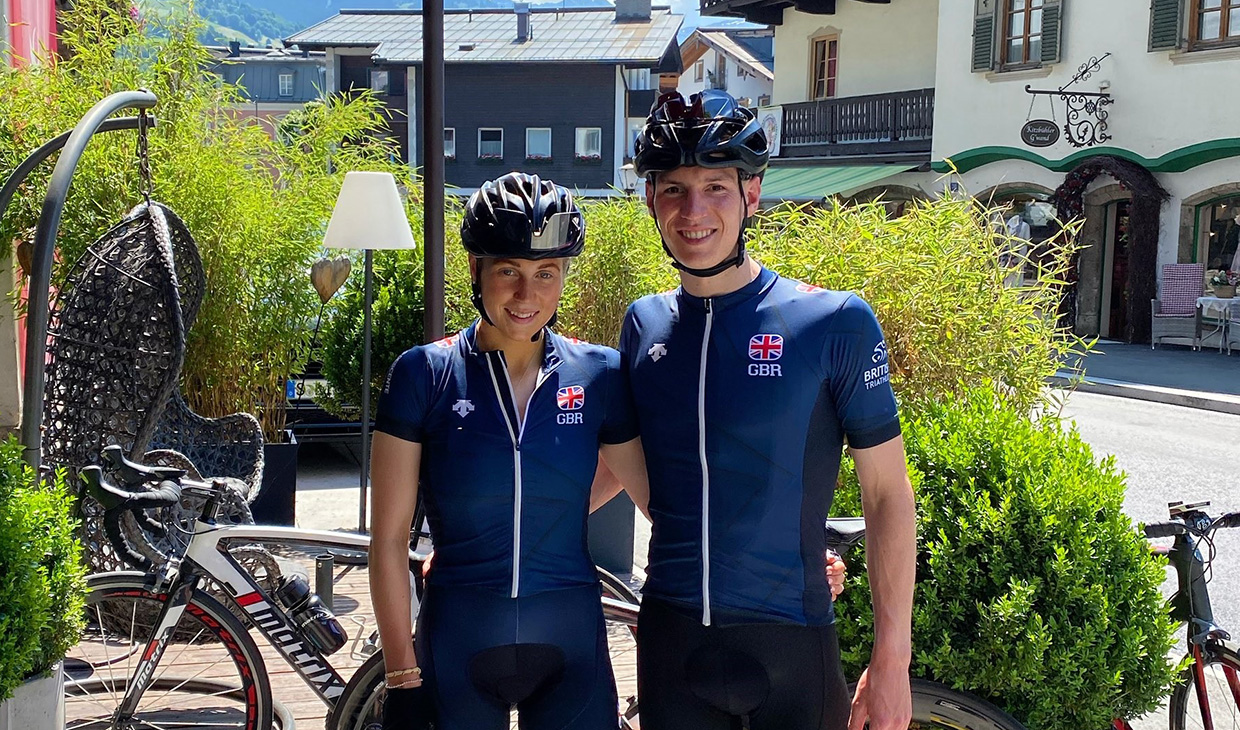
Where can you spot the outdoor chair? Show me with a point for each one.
(1174, 312)
(1232, 329)
(116, 344)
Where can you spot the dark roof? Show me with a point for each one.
(488, 36)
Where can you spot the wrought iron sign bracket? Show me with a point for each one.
(1086, 118)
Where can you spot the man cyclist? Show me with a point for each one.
(504, 423)
(746, 386)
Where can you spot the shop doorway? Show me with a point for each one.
(1113, 317)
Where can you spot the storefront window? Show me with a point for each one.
(1223, 235)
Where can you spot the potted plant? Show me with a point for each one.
(42, 585)
(1224, 284)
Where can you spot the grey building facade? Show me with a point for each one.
(552, 92)
(273, 82)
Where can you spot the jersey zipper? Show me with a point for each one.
(705, 471)
(515, 434)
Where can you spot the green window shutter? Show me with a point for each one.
(1052, 30)
(1166, 17)
(984, 35)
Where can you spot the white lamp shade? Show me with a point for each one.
(369, 214)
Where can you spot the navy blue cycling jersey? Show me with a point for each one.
(744, 402)
(507, 499)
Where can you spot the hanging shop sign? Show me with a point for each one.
(1085, 112)
(1039, 133)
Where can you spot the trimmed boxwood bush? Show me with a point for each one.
(1033, 588)
(42, 581)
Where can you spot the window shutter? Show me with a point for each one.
(1052, 30)
(1166, 17)
(984, 35)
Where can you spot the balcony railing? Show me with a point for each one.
(900, 122)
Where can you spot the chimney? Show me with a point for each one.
(234, 49)
(523, 21)
(633, 10)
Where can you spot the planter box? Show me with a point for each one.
(38, 704)
(277, 500)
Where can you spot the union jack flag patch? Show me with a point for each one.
(571, 398)
(766, 347)
(809, 289)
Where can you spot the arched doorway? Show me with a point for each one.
(1139, 283)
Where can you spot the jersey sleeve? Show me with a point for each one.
(620, 419)
(405, 398)
(860, 378)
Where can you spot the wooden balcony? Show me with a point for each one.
(896, 124)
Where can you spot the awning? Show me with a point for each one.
(801, 183)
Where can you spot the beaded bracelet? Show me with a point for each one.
(415, 682)
(403, 672)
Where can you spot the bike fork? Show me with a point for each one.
(1199, 684)
(169, 618)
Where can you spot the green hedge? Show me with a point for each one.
(42, 581)
(1033, 588)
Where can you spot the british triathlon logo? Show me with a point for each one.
(765, 349)
(570, 400)
(881, 372)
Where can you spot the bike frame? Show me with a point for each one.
(207, 558)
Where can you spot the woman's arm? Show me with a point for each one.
(622, 465)
(394, 465)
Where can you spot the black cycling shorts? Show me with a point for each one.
(763, 676)
(482, 653)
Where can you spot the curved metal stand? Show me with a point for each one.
(37, 311)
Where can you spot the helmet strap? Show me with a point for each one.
(476, 297)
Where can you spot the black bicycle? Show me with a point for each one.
(1208, 697)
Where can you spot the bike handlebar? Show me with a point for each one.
(116, 501)
(1174, 529)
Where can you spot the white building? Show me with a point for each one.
(740, 62)
(884, 99)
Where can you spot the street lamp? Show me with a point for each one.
(368, 215)
(628, 178)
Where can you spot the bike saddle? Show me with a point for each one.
(513, 673)
(728, 680)
(133, 473)
(845, 533)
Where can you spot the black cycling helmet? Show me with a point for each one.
(710, 130)
(520, 216)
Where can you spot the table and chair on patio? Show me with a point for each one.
(1187, 312)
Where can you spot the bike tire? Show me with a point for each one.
(225, 675)
(938, 706)
(1222, 692)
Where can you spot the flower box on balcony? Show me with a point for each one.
(589, 158)
(538, 158)
(490, 158)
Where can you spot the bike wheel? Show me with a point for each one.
(1219, 680)
(211, 674)
(360, 706)
(938, 706)
(621, 638)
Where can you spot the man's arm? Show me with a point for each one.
(883, 697)
(394, 494)
(621, 466)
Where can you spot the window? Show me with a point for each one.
(1022, 33)
(719, 79)
(764, 100)
(825, 57)
(589, 143)
(699, 70)
(449, 143)
(490, 143)
(286, 84)
(379, 80)
(538, 143)
(1214, 22)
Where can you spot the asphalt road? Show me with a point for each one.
(1172, 453)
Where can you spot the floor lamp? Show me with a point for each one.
(368, 215)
